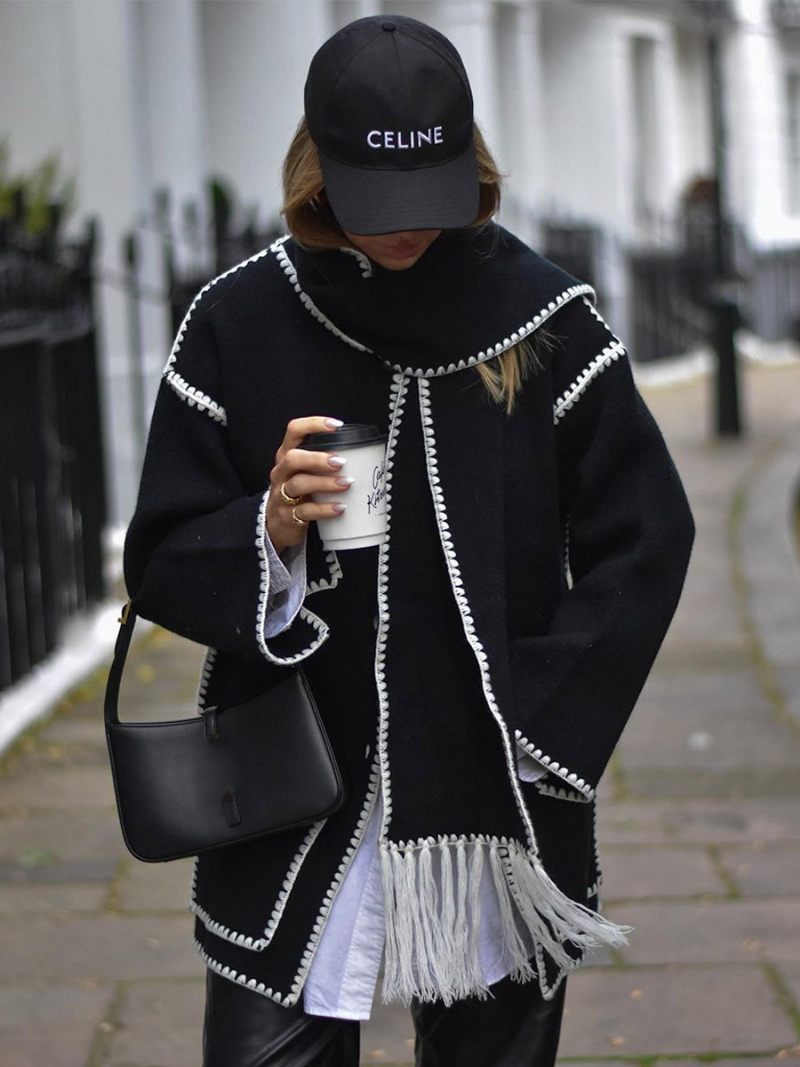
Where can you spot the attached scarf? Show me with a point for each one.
(453, 804)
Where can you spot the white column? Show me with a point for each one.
(103, 51)
(755, 72)
(469, 24)
(673, 177)
(171, 105)
(521, 115)
(344, 11)
(256, 55)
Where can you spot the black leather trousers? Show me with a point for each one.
(513, 1028)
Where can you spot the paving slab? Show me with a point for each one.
(89, 833)
(388, 1036)
(786, 1054)
(665, 871)
(45, 1024)
(694, 738)
(731, 783)
(156, 1023)
(672, 1011)
(38, 868)
(688, 677)
(725, 930)
(76, 728)
(107, 947)
(713, 821)
(154, 886)
(791, 974)
(51, 899)
(763, 870)
(62, 787)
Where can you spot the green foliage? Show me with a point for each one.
(39, 200)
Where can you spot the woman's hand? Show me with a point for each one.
(302, 473)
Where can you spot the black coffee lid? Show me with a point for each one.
(352, 433)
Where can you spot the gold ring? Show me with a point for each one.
(300, 522)
(287, 498)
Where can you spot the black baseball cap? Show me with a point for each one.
(389, 107)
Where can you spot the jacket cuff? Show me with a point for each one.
(306, 631)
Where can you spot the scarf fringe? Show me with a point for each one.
(433, 917)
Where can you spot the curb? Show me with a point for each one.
(88, 644)
(771, 565)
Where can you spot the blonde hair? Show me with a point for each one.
(312, 223)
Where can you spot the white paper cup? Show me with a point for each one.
(364, 522)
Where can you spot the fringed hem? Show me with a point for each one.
(433, 916)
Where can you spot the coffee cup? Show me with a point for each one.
(364, 523)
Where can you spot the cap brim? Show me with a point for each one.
(369, 201)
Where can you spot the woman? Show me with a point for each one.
(476, 671)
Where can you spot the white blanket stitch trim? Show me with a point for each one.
(334, 574)
(549, 991)
(258, 944)
(508, 342)
(570, 777)
(497, 349)
(363, 261)
(242, 979)
(261, 614)
(194, 397)
(561, 792)
(288, 269)
(319, 925)
(609, 355)
(590, 305)
(598, 866)
(397, 398)
(205, 676)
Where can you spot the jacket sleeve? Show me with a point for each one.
(628, 532)
(195, 557)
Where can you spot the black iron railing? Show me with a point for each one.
(52, 483)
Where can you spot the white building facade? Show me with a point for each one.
(598, 111)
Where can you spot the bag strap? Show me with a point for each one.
(127, 621)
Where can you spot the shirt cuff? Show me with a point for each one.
(528, 767)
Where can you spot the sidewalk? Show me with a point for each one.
(699, 820)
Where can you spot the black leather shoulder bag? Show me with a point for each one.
(222, 777)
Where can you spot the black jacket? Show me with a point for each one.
(575, 492)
